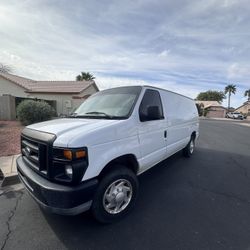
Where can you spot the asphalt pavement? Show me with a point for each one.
(197, 203)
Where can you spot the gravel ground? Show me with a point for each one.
(10, 137)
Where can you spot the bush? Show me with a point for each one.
(205, 112)
(29, 111)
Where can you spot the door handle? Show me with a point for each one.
(165, 134)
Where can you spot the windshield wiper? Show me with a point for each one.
(98, 113)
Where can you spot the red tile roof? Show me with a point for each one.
(33, 86)
(21, 81)
(208, 104)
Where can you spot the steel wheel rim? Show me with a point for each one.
(191, 147)
(117, 196)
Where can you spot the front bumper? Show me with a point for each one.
(57, 198)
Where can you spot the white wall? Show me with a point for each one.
(10, 88)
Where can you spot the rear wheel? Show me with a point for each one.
(115, 195)
(189, 149)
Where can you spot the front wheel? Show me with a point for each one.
(115, 195)
(189, 149)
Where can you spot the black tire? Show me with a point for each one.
(189, 150)
(117, 173)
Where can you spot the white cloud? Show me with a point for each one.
(240, 71)
(164, 53)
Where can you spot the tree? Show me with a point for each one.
(4, 68)
(247, 94)
(230, 89)
(85, 76)
(211, 95)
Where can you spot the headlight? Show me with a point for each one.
(69, 171)
(74, 154)
(69, 154)
(69, 164)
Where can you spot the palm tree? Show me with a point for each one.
(4, 68)
(230, 89)
(85, 76)
(247, 93)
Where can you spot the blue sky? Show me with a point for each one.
(184, 46)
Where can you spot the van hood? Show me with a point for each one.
(68, 125)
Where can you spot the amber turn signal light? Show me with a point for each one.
(67, 154)
(80, 154)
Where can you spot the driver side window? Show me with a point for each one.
(151, 103)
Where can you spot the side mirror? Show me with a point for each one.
(153, 113)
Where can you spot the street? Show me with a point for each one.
(197, 203)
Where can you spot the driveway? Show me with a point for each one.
(197, 203)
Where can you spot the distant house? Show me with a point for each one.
(213, 108)
(64, 95)
(245, 108)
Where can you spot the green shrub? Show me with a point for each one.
(205, 112)
(29, 111)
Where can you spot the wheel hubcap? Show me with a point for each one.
(117, 196)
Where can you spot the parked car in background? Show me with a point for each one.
(91, 160)
(235, 115)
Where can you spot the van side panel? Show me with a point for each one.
(182, 120)
(123, 140)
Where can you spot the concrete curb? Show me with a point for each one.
(247, 121)
(8, 172)
(10, 180)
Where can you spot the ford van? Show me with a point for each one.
(91, 160)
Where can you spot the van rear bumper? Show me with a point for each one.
(57, 198)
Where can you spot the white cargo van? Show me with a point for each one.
(91, 160)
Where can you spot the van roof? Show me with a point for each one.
(153, 87)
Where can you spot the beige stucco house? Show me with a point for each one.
(67, 95)
(245, 108)
(214, 109)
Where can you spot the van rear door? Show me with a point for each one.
(180, 113)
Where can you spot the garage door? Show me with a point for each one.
(216, 114)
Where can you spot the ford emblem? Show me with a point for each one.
(28, 151)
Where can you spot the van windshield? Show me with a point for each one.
(116, 103)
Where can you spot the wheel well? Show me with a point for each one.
(128, 160)
(193, 135)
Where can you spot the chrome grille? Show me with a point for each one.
(35, 154)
